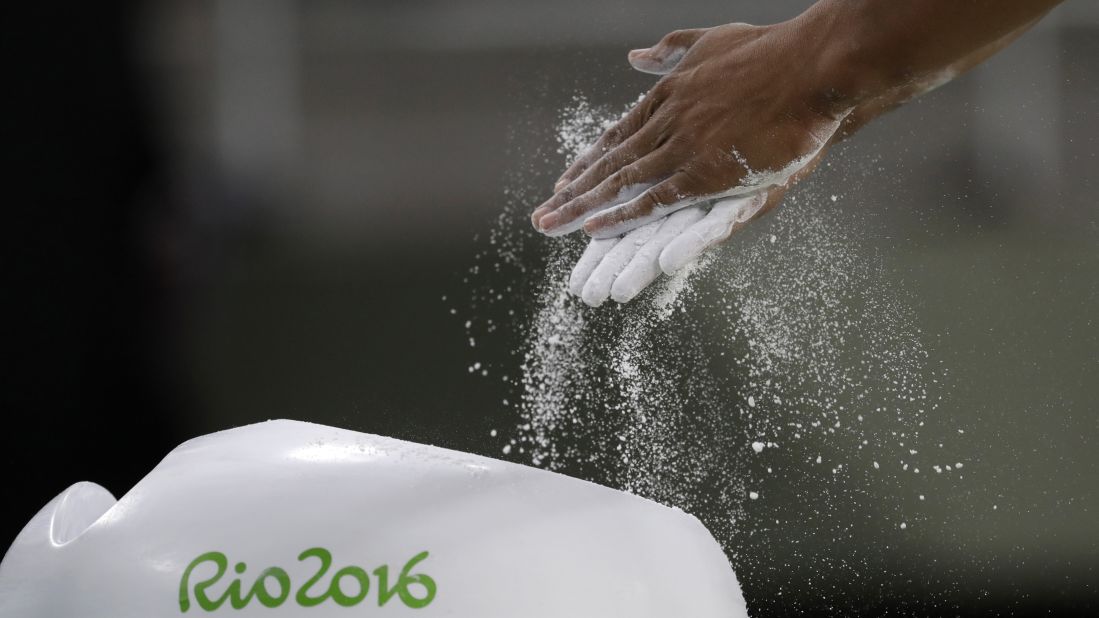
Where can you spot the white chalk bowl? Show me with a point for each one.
(285, 518)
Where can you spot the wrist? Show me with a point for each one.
(846, 61)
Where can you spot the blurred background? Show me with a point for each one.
(234, 210)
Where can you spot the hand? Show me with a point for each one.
(740, 109)
(745, 112)
(620, 268)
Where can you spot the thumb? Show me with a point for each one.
(665, 55)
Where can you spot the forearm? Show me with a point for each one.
(874, 53)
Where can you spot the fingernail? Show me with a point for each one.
(536, 216)
(548, 222)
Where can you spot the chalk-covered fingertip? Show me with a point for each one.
(554, 227)
(675, 256)
(625, 287)
(624, 294)
(576, 283)
(641, 272)
(596, 291)
(593, 300)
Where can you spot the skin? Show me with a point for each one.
(742, 109)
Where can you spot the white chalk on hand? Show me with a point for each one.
(593, 255)
(621, 267)
(712, 229)
(644, 268)
(598, 287)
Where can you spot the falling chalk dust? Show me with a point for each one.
(783, 363)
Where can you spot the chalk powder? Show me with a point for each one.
(782, 363)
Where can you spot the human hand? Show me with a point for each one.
(740, 109)
(620, 268)
(749, 110)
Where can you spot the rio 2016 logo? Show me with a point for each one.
(349, 586)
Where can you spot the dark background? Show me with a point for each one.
(221, 212)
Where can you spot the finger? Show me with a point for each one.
(574, 215)
(644, 268)
(665, 55)
(616, 160)
(593, 254)
(724, 218)
(620, 132)
(639, 145)
(619, 188)
(598, 287)
(656, 203)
